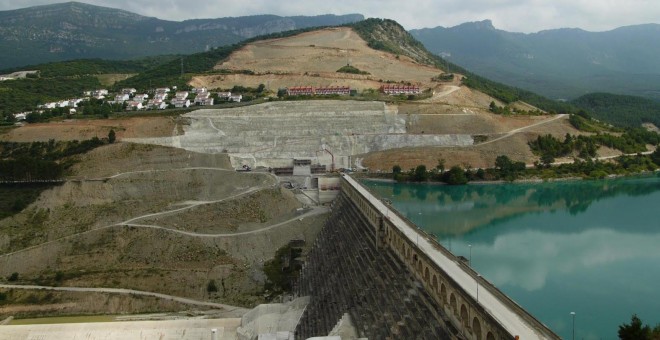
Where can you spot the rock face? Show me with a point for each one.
(75, 30)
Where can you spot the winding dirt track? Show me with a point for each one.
(187, 205)
(238, 310)
(514, 131)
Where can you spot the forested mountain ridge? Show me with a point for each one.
(75, 30)
(559, 63)
(620, 110)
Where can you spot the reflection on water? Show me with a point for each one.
(584, 246)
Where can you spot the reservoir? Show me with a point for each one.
(588, 247)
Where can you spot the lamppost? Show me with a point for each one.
(573, 315)
(470, 260)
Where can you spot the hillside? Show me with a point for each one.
(75, 30)
(620, 110)
(561, 63)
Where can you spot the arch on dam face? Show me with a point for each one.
(465, 321)
(443, 293)
(476, 328)
(427, 276)
(490, 336)
(434, 284)
(452, 304)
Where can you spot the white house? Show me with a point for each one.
(198, 90)
(128, 91)
(160, 95)
(182, 95)
(122, 97)
(99, 94)
(224, 95)
(20, 116)
(236, 98)
(140, 97)
(180, 102)
(134, 106)
(162, 90)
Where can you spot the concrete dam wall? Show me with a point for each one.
(273, 134)
(397, 282)
(347, 273)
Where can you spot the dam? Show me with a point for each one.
(397, 282)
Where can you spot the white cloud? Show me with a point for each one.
(511, 15)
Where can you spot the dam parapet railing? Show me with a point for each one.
(476, 306)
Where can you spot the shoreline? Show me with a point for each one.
(519, 181)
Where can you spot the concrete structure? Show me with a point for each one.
(465, 301)
(273, 134)
(128, 330)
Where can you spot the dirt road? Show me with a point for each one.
(237, 310)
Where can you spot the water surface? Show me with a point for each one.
(589, 247)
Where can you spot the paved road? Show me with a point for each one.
(238, 310)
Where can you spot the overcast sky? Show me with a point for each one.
(511, 15)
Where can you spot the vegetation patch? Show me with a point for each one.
(282, 271)
(38, 161)
(352, 70)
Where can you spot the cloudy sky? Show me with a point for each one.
(511, 15)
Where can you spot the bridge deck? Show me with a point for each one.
(502, 311)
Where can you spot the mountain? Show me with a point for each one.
(76, 30)
(559, 63)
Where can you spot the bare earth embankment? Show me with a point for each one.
(88, 232)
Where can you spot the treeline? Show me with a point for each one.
(80, 67)
(620, 110)
(506, 169)
(25, 94)
(42, 160)
(631, 141)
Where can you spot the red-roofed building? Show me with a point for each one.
(400, 89)
(300, 91)
(340, 90)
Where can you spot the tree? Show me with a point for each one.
(13, 277)
(441, 165)
(111, 136)
(655, 156)
(456, 176)
(635, 330)
(503, 163)
(420, 174)
(396, 169)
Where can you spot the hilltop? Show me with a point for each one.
(446, 113)
(74, 30)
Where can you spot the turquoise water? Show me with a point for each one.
(589, 247)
